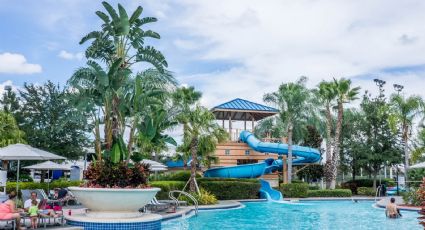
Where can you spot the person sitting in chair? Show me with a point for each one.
(43, 207)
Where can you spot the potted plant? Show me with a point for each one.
(113, 96)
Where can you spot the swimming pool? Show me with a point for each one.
(305, 215)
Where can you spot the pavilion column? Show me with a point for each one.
(230, 126)
(252, 124)
(223, 123)
(244, 122)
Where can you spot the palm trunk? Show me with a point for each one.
(335, 157)
(406, 151)
(374, 179)
(290, 152)
(193, 151)
(97, 145)
(328, 165)
(131, 139)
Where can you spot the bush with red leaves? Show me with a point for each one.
(105, 174)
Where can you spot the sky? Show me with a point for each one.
(230, 49)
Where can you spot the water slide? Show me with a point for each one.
(303, 154)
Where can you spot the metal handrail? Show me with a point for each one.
(170, 194)
(378, 190)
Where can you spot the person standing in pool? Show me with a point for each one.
(391, 210)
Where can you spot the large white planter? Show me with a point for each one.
(108, 202)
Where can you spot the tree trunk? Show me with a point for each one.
(97, 142)
(131, 139)
(193, 151)
(406, 152)
(328, 165)
(289, 152)
(374, 180)
(335, 157)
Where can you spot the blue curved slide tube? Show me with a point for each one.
(303, 154)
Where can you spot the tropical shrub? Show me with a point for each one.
(166, 187)
(108, 174)
(330, 193)
(366, 191)
(411, 197)
(294, 190)
(231, 189)
(205, 198)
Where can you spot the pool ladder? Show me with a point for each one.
(172, 197)
(378, 192)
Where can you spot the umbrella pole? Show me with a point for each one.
(17, 178)
(48, 184)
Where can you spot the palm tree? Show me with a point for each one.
(404, 111)
(120, 44)
(326, 95)
(344, 94)
(293, 100)
(201, 131)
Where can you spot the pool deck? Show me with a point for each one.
(399, 202)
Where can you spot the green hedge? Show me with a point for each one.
(298, 190)
(353, 185)
(166, 187)
(175, 176)
(313, 187)
(11, 186)
(366, 191)
(330, 193)
(230, 189)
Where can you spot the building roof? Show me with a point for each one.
(240, 109)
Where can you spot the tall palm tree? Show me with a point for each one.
(326, 94)
(344, 94)
(119, 44)
(201, 131)
(293, 100)
(404, 111)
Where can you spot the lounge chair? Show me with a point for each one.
(10, 224)
(155, 206)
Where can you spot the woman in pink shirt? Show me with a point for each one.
(9, 212)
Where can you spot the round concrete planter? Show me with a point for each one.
(107, 202)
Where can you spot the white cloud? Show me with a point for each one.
(13, 63)
(278, 41)
(71, 56)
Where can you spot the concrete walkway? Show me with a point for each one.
(398, 201)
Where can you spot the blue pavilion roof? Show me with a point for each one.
(241, 104)
(240, 109)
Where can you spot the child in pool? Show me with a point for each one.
(33, 212)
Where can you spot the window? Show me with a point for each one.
(246, 161)
(227, 151)
(246, 152)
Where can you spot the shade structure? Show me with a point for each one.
(20, 152)
(26, 152)
(154, 165)
(242, 110)
(418, 166)
(48, 165)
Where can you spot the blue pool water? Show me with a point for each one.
(306, 215)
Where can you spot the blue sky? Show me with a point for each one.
(230, 49)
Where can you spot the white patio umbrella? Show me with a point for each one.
(48, 165)
(155, 166)
(18, 152)
(418, 165)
